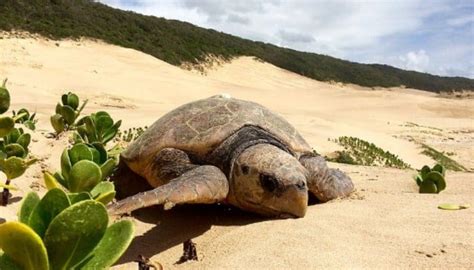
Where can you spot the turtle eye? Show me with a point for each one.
(268, 182)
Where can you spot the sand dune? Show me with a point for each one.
(385, 224)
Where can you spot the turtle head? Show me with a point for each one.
(268, 181)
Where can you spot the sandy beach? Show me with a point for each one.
(384, 224)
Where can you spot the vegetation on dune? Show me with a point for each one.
(360, 152)
(442, 159)
(179, 43)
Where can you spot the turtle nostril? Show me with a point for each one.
(301, 185)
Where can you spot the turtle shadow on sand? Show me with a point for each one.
(174, 226)
(183, 222)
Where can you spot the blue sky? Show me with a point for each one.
(430, 36)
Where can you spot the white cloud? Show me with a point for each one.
(417, 61)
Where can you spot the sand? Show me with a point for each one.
(384, 224)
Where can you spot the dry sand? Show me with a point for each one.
(385, 224)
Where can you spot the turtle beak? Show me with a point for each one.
(295, 201)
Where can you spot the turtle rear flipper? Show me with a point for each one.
(203, 184)
(326, 183)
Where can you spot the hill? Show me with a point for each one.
(178, 42)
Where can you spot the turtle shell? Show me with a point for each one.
(200, 126)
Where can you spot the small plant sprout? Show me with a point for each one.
(67, 112)
(85, 168)
(61, 232)
(99, 127)
(431, 180)
(13, 145)
(27, 119)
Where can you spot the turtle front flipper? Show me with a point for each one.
(203, 184)
(326, 183)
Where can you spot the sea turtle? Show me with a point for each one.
(223, 149)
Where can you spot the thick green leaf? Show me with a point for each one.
(61, 180)
(439, 168)
(8, 264)
(64, 98)
(103, 153)
(27, 206)
(73, 100)
(102, 123)
(13, 167)
(78, 197)
(24, 140)
(74, 233)
(58, 123)
(13, 135)
(110, 133)
(418, 179)
(69, 114)
(84, 176)
(50, 181)
(108, 168)
(23, 246)
(79, 152)
(6, 125)
(66, 165)
(428, 186)
(438, 179)
(102, 187)
(95, 155)
(106, 198)
(4, 99)
(103, 192)
(15, 150)
(424, 171)
(53, 203)
(111, 247)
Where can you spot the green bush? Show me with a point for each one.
(13, 146)
(58, 232)
(67, 111)
(85, 168)
(431, 180)
(97, 128)
(27, 119)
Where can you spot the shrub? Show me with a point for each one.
(27, 119)
(431, 180)
(85, 168)
(97, 128)
(61, 232)
(67, 111)
(13, 146)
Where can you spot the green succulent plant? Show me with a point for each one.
(85, 168)
(6, 123)
(59, 233)
(98, 127)
(67, 111)
(16, 143)
(431, 180)
(13, 145)
(27, 119)
(4, 97)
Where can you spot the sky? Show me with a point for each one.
(431, 36)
